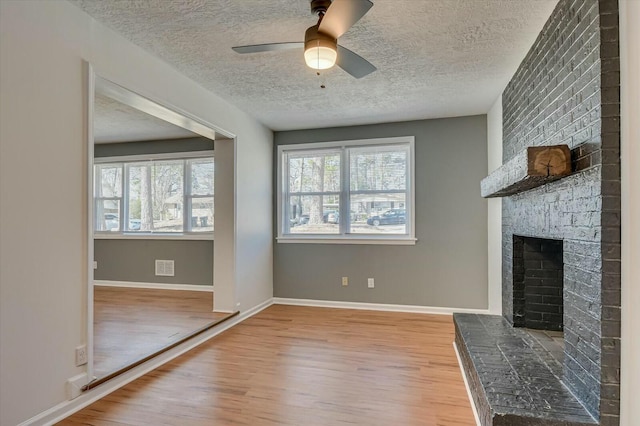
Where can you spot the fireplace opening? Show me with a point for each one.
(537, 283)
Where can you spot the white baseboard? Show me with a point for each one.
(157, 286)
(377, 306)
(466, 385)
(67, 408)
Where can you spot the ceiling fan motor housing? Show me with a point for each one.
(314, 38)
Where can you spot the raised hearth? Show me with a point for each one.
(514, 379)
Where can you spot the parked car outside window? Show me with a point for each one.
(331, 216)
(389, 217)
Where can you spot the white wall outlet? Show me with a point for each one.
(95, 264)
(345, 281)
(75, 384)
(370, 283)
(81, 355)
(165, 268)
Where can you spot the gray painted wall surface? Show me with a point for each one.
(152, 147)
(448, 265)
(134, 260)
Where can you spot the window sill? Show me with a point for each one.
(315, 239)
(131, 236)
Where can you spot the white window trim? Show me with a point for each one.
(127, 235)
(408, 239)
(154, 236)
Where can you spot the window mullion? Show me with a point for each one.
(344, 191)
(149, 192)
(124, 203)
(186, 196)
(122, 209)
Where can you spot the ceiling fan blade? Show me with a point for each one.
(269, 47)
(353, 63)
(341, 16)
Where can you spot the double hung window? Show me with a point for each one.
(350, 191)
(163, 196)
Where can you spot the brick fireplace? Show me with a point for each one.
(561, 240)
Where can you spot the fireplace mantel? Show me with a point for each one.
(530, 168)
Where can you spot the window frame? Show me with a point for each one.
(97, 181)
(125, 161)
(344, 237)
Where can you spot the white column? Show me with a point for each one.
(224, 250)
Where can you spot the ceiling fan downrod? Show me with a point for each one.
(319, 7)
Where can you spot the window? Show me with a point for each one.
(163, 196)
(360, 191)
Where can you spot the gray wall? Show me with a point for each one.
(152, 147)
(134, 259)
(448, 265)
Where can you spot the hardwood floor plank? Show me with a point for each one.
(292, 365)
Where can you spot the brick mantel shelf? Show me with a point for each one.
(532, 167)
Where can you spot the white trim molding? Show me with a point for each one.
(157, 286)
(190, 236)
(67, 408)
(315, 239)
(415, 309)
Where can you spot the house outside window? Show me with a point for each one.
(154, 196)
(358, 191)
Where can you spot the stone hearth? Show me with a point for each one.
(514, 379)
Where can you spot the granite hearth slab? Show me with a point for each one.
(513, 380)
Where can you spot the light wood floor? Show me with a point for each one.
(303, 366)
(131, 323)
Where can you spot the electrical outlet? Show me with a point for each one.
(95, 264)
(81, 355)
(345, 281)
(370, 283)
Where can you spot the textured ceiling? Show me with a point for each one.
(117, 122)
(435, 58)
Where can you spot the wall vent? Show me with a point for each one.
(165, 268)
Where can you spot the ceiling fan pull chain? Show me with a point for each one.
(322, 80)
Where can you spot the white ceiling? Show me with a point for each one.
(116, 122)
(435, 58)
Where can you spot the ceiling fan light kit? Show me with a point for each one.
(321, 49)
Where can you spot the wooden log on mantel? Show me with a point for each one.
(532, 167)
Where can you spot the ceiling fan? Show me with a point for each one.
(321, 48)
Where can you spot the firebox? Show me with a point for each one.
(537, 283)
